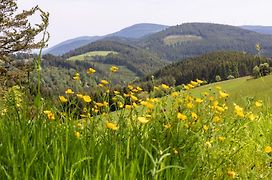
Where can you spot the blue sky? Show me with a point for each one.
(73, 18)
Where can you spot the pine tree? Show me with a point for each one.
(16, 32)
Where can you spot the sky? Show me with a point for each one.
(74, 18)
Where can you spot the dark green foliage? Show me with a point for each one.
(208, 66)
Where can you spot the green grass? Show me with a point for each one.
(90, 55)
(68, 146)
(243, 89)
(176, 39)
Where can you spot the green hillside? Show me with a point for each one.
(90, 55)
(224, 64)
(138, 60)
(242, 90)
(174, 43)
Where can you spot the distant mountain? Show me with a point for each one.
(71, 44)
(139, 30)
(259, 29)
(194, 39)
(134, 32)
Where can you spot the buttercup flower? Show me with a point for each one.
(63, 99)
(112, 126)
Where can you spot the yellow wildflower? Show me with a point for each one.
(221, 138)
(239, 111)
(126, 95)
(258, 103)
(134, 105)
(87, 98)
(199, 81)
(208, 144)
(139, 88)
(181, 116)
(167, 126)
(205, 128)
(49, 114)
(95, 110)
(186, 87)
(112, 126)
(143, 120)
(147, 104)
(120, 104)
(46, 112)
(194, 116)
(216, 119)
(251, 116)
(232, 174)
(268, 149)
(130, 87)
(175, 94)
(63, 99)
(134, 98)
(189, 105)
(156, 88)
(79, 95)
(116, 92)
(105, 103)
(220, 109)
(190, 86)
(114, 69)
(223, 94)
(69, 91)
(199, 100)
(104, 82)
(99, 104)
(91, 71)
(194, 83)
(76, 77)
(153, 100)
(128, 106)
(164, 86)
(77, 134)
(175, 151)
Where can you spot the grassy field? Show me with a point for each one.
(243, 89)
(192, 134)
(176, 39)
(90, 55)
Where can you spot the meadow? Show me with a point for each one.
(217, 131)
(178, 39)
(90, 55)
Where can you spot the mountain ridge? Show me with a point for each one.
(134, 32)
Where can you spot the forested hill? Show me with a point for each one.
(207, 67)
(193, 39)
(136, 59)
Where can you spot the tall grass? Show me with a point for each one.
(149, 139)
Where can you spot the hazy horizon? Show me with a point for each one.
(70, 19)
